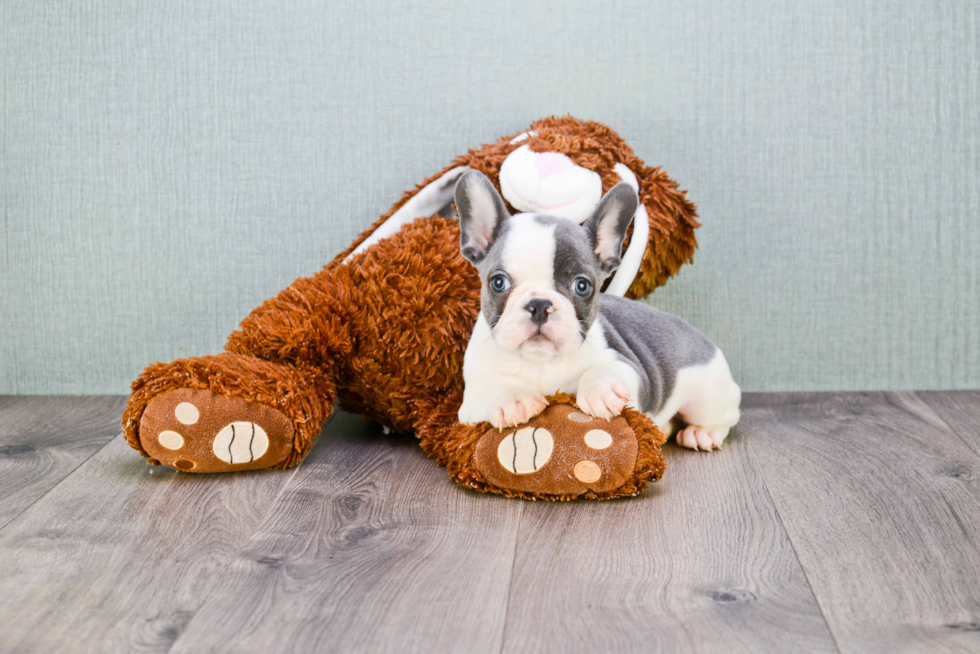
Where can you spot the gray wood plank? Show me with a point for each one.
(119, 555)
(697, 563)
(43, 439)
(958, 409)
(881, 503)
(370, 548)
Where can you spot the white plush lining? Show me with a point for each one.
(424, 204)
(630, 266)
(437, 195)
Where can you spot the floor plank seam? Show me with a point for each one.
(789, 539)
(953, 430)
(81, 463)
(510, 581)
(258, 525)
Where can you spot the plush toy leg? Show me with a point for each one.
(227, 412)
(259, 405)
(561, 454)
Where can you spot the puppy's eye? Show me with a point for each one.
(499, 283)
(582, 287)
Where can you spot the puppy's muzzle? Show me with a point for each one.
(539, 308)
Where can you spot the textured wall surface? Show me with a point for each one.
(168, 165)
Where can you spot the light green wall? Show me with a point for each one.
(168, 165)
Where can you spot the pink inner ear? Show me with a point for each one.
(552, 163)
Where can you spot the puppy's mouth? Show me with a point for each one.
(540, 346)
(537, 338)
(537, 342)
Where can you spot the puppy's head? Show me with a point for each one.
(540, 274)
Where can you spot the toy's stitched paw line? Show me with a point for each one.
(526, 450)
(239, 440)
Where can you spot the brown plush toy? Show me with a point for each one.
(384, 326)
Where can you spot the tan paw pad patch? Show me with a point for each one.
(186, 413)
(598, 439)
(171, 439)
(587, 472)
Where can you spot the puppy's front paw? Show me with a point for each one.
(513, 410)
(603, 397)
(702, 438)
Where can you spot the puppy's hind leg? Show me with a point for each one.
(710, 404)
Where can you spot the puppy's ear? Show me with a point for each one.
(607, 225)
(481, 212)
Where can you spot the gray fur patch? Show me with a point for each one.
(491, 303)
(656, 344)
(574, 258)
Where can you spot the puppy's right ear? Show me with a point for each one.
(481, 213)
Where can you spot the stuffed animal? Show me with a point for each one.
(383, 328)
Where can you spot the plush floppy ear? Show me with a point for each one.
(608, 224)
(481, 212)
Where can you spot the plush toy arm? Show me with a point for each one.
(629, 269)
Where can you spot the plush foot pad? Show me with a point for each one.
(199, 431)
(560, 452)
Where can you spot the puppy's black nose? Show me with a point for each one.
(539, 308)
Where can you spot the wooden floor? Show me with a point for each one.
(829, 522)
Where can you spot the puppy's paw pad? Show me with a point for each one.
(602, 399)
(697, 437)
(515, 410)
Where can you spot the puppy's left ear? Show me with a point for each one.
(481, 212)
(608, 224)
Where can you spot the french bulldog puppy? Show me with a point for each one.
(544, 327)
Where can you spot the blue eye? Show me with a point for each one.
(582, 287)
(499, 283)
